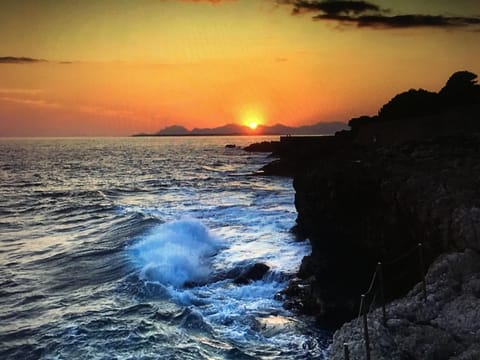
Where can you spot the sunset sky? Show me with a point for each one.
(118, 67)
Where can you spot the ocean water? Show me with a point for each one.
(126, 248)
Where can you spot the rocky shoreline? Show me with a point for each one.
(446, 326)
(372, 194)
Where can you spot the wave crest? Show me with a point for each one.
(176, 253)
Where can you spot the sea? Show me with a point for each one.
(128, 248)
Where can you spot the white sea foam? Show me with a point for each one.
(139, 183)
(176, 252)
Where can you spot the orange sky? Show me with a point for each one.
(139, 66)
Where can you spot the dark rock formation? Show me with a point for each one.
(447, 326)
(242, 273)
(264, 146)
(376, 208)
(420, 114)
(372, 194)
(252, 273)
(296, 153)
(278, 168)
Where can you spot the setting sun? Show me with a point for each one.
(252, 117)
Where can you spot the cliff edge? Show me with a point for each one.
(406, 176)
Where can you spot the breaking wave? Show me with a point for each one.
(176, 253)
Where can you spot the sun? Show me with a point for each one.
(252, 119)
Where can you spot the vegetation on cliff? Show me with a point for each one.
(418, 113)
(407, 175)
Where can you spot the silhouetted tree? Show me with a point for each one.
(410, 103)
(461, 89)
(357, 122)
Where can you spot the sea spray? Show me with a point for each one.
(100, 260)
(176, 253)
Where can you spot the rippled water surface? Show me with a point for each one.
(127, 249)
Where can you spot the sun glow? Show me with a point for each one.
(252, 119)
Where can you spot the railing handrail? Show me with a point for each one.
(377, 277)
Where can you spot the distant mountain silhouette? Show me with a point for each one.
(234, 129)
(174, 130)
(221, 130)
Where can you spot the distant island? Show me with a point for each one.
(322, 128)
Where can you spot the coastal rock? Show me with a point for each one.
(296, 153)
(378, 207)
(408, 175)
(277, 168)
(264, 146)
(252, 273)
(447, 326)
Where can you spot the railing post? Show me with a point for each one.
(382, 292)
(365, 329)
(422, 270)
(346, 351)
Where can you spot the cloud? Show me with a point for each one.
(17, 91)
(28, 60)
(402, 21)
(367, 14)
(333, 7)
(19, 60)
(32, 102)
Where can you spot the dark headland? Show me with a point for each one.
(409, 175)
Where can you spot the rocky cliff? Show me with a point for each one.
(378, 206)
(446, 326)
(372, 194)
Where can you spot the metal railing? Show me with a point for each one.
(377, 287)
